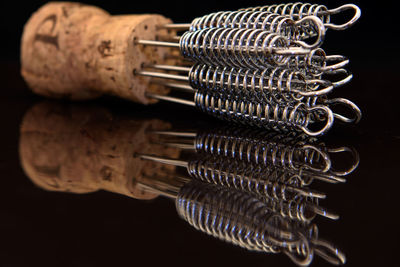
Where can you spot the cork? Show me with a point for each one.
(76, 51)
(82, 149)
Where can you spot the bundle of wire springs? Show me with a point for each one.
(261, 66)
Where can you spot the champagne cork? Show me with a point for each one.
(81, 149)
(76, 51)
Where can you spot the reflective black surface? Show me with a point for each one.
(101, 228)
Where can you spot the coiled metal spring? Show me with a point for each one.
(279, 85)
(274, 85)
(264, 115)
(243, 220)
(248, 177)
(299, 10)
(255, 104)
(255, 50)
(265, 21)
(302, 209)
(262, 182)
(227, 221)
(294, 159)
(237, 47)
(290, 153)
(265, 151)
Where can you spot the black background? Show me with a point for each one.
(39, 228)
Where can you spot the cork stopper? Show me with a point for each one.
(75, 51)
(80, 149)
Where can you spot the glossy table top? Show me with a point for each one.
(96, 215)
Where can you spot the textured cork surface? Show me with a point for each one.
(76, 51)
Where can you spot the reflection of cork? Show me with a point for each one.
(71, 50)
(78, 149)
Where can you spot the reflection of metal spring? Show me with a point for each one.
(237, 47)
(221, 212)
(289, 158)
(307, 160)
(248, 177)
(300, 209)
(271, 84)
(266, 21)
(264, 115)
(299, 10)
(265, 152)
(243, 220)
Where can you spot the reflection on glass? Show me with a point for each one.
(247, 187)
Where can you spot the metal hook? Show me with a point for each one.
(328, 252)
(329, 87)
(324, 155)
(353, 166)
(344, 80)
(348, 104)
(307, 258)
(339, 27)
(342, 61)
(329, 121)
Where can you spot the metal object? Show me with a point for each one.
(277, 168)
(270, 84)
(244, 220)
(255, 67)
(270, 116)
(250, 187)
(296, 158)
(275, 98)
(273, 167)
(239, 175)
(265, 21)
(253, 49)
(298, 11)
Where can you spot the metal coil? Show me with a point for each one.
(266, 21)
(210, 46)
(248, 222)
(294, 10)
(237, 47)
(252, 178)
(299, 10)
(313, 64)
(241, 48)
(233, 216)
(274, 86)
(277, 85)
(268, 152)
(289, 158)
(295, 209)
(264, 115)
